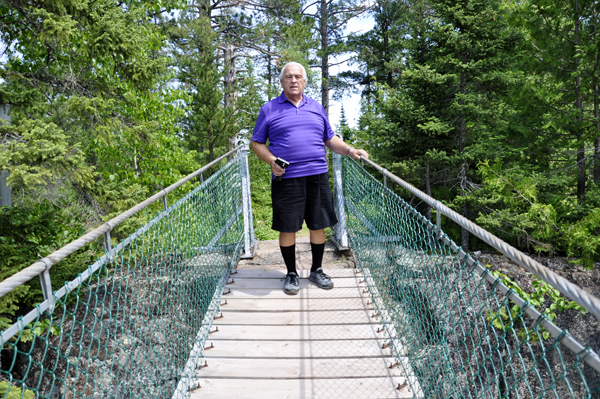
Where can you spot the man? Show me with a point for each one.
(298, 131)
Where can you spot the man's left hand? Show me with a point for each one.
(356, 153)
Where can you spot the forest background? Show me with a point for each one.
(490, 106)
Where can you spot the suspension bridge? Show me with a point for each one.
(167, 313)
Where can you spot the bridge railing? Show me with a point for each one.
(127, 325)
(456, 329)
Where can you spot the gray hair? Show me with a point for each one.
(291, 64)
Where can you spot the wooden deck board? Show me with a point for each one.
(362, 316)
(356, 388)
(296, 349)
(306, 291)
(311, 332)
(291, 304)
(298, 368)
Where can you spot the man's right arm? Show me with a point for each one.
(262, 151)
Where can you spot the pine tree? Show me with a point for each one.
(208, 123)
(377, 48)
(447, 94)
(93, 123)
(343, 128)
(560, 102)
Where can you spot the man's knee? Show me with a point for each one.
(287, 239)
(317, 236)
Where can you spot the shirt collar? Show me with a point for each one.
(283, 98)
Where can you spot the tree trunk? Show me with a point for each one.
(596, 105)
(324, 58)
(230, 96)
(462, 134)
(581, 177)
(269, 71)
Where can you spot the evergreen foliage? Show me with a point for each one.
(93, 126)
(207, 124)
(491, 107)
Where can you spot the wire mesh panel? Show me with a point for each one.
(455, 334)
(127, 330)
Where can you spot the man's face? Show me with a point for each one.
(293, 81)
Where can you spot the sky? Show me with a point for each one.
(351, 102)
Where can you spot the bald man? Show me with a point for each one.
(298, 130)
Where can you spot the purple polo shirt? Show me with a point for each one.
(296, 134)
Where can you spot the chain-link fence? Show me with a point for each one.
(134, 324)
(456, 330)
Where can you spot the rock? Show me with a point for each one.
(124, 358)
(106, 380)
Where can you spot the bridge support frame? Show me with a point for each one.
(340, 237)
(249, 238)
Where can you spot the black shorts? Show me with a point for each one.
(302, 198)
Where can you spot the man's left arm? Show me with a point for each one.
(337, 145)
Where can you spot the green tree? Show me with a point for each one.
(343, 128)
(94, 122)
(560, 100)
(446, 103)
(208, 123)
(378, 48)
(330, 20)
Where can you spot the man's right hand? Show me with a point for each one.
(276, 169)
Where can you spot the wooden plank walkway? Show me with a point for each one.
(317, 344)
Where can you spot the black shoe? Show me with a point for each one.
(321, 279)
(292, 284)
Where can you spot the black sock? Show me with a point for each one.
(289, 257)
(317, 255)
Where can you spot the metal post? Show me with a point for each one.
(438, 220)
(340, 238)
(107, 243)
(246, 200)
(384, 178)
(250, 210)
(165, 204)
(46, 284)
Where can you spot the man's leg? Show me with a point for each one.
(317, 246)
(288, 201)
(287, 244)
(319, 214)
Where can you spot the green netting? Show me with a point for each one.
(441, 313)
(135, 327)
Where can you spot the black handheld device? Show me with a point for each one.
(283, 163)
